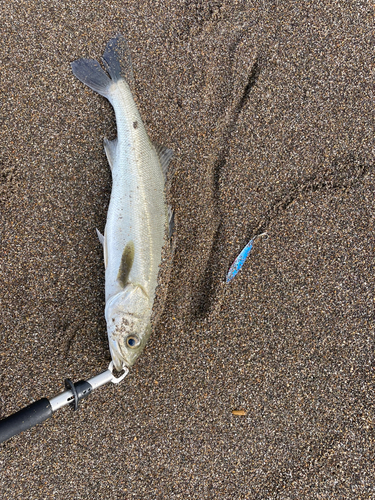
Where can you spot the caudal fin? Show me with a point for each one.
(91, 74)
(117, 62)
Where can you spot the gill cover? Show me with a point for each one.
(128, 325)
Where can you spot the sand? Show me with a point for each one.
(269, 107)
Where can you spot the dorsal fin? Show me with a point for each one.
(170, 222)
(126, 264)
(165, 156)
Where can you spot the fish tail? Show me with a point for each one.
(91, 74)
(117, 62)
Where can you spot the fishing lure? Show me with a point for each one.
(240, 259)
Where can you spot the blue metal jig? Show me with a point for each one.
(240, 260)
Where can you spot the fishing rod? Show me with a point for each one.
(44, 408)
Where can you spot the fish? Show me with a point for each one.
(137, 217)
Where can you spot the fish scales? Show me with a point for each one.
(137, 209)
(137, 213)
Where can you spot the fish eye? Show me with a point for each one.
(132, 341)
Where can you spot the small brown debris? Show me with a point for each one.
(238, 412)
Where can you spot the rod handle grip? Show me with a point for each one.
(25, 419)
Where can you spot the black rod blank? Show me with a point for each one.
(31, 415)
(43, 409)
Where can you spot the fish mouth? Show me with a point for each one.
(118, 360)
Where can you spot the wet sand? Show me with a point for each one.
(270, 111)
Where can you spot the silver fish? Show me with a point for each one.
(137, 214)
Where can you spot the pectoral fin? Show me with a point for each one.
(126, 264)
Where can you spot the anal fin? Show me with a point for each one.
(110, 150)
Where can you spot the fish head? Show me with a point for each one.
(128, 316)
